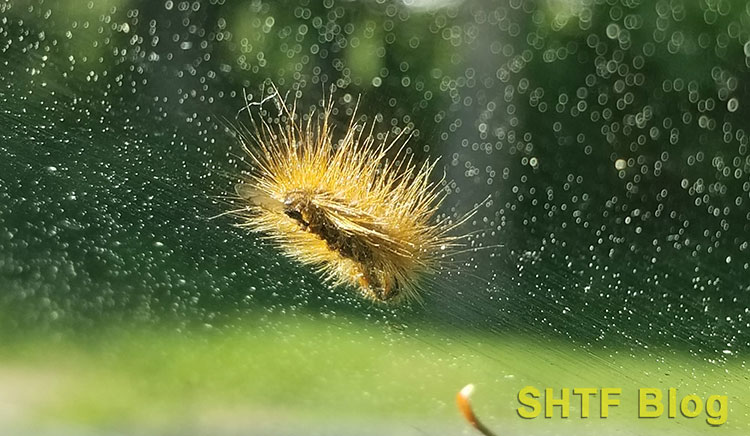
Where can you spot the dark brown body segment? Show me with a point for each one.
(299, 206)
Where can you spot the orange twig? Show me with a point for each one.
(464, 406)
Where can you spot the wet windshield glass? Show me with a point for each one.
(602, 143)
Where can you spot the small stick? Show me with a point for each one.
(464, 406)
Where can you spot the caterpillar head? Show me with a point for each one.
(297, 205)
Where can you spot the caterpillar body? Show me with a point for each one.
(359, 217)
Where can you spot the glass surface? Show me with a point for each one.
(613, 251)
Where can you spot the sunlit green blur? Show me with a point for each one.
(336, 375)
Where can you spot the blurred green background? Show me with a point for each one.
(608, 134)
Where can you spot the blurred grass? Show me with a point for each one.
(321, 370)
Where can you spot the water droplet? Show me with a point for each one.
(733, 104)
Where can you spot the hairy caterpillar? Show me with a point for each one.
(358, 216)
